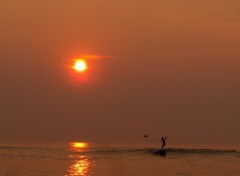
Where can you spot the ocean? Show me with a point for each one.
(116, 161)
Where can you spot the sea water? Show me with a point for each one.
(115, 161)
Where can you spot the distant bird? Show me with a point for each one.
(145, 136)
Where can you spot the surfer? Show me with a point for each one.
(163, 140)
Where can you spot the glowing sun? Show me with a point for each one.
(79, 145)
(80, 65)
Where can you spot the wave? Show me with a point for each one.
(116, 150)
(200, 151)
(153, 150)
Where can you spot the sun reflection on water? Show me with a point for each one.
(81, 165)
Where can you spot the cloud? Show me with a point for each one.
(92, 56)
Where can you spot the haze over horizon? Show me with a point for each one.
(162, 67)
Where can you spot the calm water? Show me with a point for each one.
(70, 161)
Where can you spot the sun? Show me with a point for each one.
(79, 145)
(80, 65)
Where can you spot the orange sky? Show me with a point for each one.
(165, 67)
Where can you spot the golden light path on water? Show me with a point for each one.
(81, 165)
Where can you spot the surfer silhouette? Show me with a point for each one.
(163, 140)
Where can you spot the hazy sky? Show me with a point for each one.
(173, 69)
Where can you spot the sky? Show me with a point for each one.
(159, 67)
